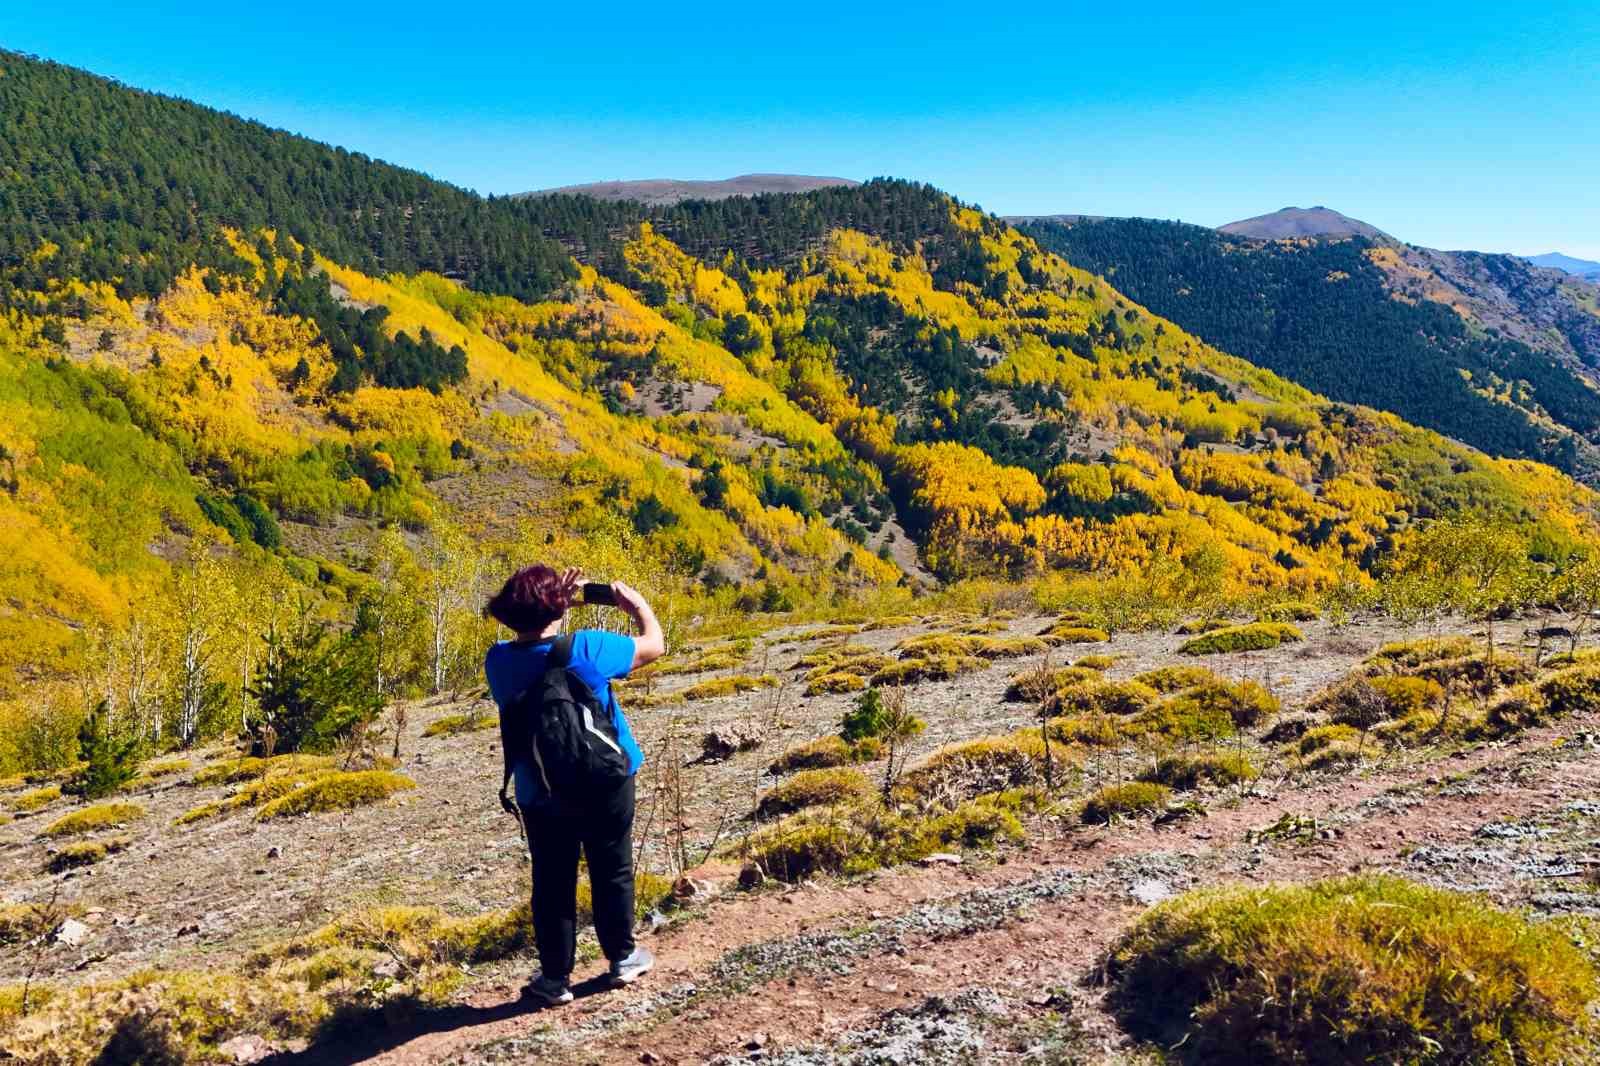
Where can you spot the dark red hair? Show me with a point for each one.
(530, 599)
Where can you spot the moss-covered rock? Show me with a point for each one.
(90, 819)
(1252, 636)
(337, 792)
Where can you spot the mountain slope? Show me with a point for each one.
(747, 406)
(660, 191)
(1371, 322)
(1583, 268)
(1291, 222)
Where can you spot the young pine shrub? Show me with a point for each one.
(1252, 636)
(1356, 969)
(109, 762)
(1124, 801)
(813, 788)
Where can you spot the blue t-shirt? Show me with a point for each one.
(597, 657)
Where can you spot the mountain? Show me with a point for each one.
(658, 191)
(1293, 222)
(1480, 347)
(255, 389)
(1583, 268)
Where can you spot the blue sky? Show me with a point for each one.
(1461, 125)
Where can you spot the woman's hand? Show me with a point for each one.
(651, 643)
(571, 584)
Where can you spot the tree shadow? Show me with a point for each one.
(357, 1036)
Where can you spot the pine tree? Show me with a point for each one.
(109, 762)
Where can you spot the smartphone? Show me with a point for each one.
(598, 593)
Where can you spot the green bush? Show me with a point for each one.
(1366, 969)
(1121, 801)
(1252, 636)
(813, 788)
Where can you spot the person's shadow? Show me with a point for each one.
(354, 1039)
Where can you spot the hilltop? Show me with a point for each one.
(1290, 222)
(1583, 268)
(656, 192)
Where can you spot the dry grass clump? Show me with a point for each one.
(1245, 702)
(1564, 692)
(85, 853)
(1093, 730)
(1319, 737)
(24, 921)
(1097, 662)
(936, 668)
(720, 657)
(1035, 685)
(1289, 611)
(856, 838)
(1289, 727)
(727, 686)
(233, 771)
(337, 792)
(172, 764)
(813, 788)
(453, 724)
(1102, 696)
(839, 657)
(1122, 801)
(1355, 969)
(1188, 772)
(947, 645)
(651, 892)
(1182, 720)
(36, 799)
(1252, 636)
(1365, 701)
(1327, 747)
(1405, 655)
(825, 752)
(1071, 633)
(1200, 625)
(835, 683)
(1165, 679)
(974, 767)
(99, 816)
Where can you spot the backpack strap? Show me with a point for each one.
(560, 654)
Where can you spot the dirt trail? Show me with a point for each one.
(802, 967)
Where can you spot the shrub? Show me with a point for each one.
(1252, 636)
(1245, 702)
(1102, 696)
(1035, 685)
(108, 761)
(1096, 662)
(1572, 689)
(24, 921)
(837, 682)
(100, 816)
(813, 788)
(1120, 801)
(1058, 635)
(337, 792)
(1184, 720)
(825, 752)
(1167, 679)
(452, 724)
(85, 853)
(1187, 772)
(727, 686)
(809, 843)
(974, 767)
(1356, 969)
(174, 764)
(36, 799)
(1289, 611)
(1410, 654)
(1477, 671)
(232, 771)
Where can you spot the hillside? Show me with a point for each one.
(1293, 222)
(1583, 268)
(656, 192)
(1483, 348)
(766, 403)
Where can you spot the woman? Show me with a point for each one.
(532, 604)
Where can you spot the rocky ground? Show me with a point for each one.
(988, 959)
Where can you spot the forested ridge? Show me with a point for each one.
(1320, 313)
(255, 390)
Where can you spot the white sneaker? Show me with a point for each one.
(627, 971)
(547, 991)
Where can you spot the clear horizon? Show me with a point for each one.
(1451, 126)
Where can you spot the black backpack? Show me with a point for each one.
(570, 736)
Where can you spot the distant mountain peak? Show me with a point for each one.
(659, 191)
(1583, 268)
(1292, 222)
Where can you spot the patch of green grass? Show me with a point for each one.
(232, 771)
(1165, 679)
(1246, 703)
(172, 764)
(727, 686)
(935, 668)
(1067, 633)
(835, 683)
(1097, 662)
(1182, 720)
(1356, 969)
(1092, 730)
(1289, 611)
(1410, 654)
(813, 788)
(337, 792)
(1123, 801)
(1099, 695)
(99, 816)
(1252, 636)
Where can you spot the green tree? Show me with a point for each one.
(109, 762)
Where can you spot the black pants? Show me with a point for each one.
(603, 828)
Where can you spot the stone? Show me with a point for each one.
(752, 876)
(275, 852)
(687, 888)
(1150, 891)
(720, 744)
(72, 932)
(941, 858)
(246, 1048)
